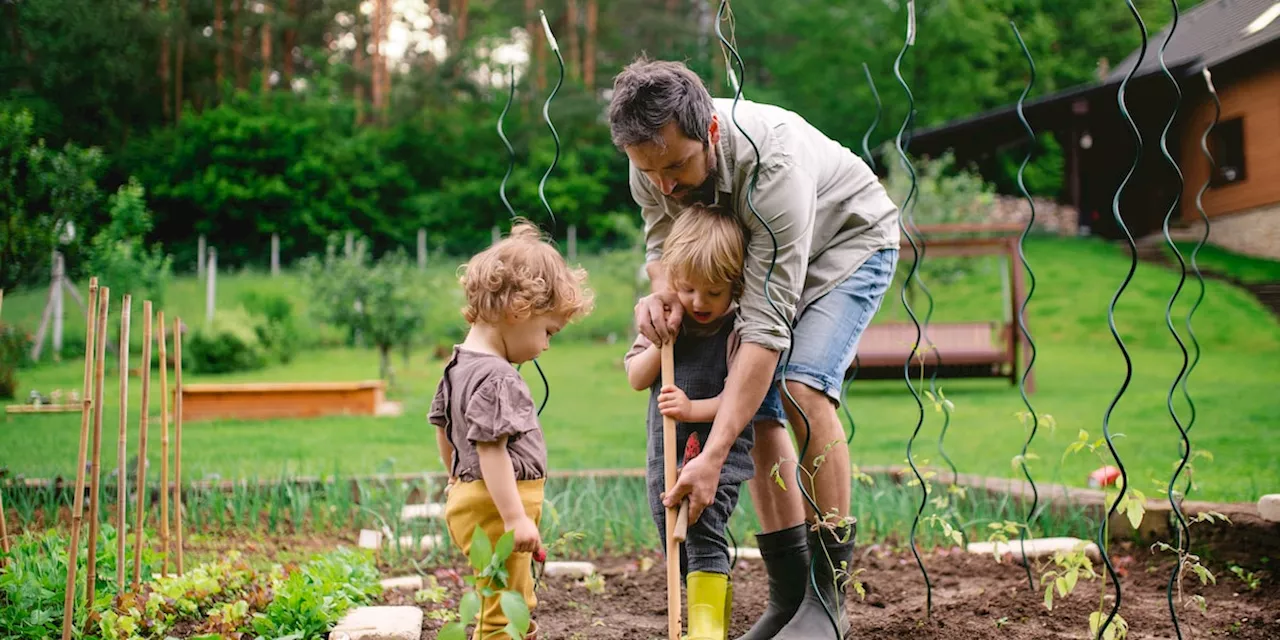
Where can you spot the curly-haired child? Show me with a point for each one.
(703, 258)
(520, 293)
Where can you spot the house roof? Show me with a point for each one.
(1208, 34)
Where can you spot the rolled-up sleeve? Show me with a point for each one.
(657, 224)
(786, 198)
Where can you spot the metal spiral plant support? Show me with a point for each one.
(871, 163)
(1111, 321)
(768, 293)
(546, 117)
(915, 266)
(1183, 541)
(511, 153)
(502, 193)
(1195, 268)
(1022, 310)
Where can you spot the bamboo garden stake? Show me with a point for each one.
(164, 447)
(122, 437)
(139, 515)
(86, 417)
(177, 432)
(100, 348)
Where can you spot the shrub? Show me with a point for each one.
(275, 323)
(231, 343)
(15, 346)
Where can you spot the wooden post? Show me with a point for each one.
(211, 286)
(177, 448)
(422, 249)
(496, 234)
(573, 242)
(200, 251)
(275, 255)
(669, 473)
(86, 415)
(139, 516)
(122, 482)
(164, 447)
(59, 275)
(349, 245)
(100, 348)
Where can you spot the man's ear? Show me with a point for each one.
(713, 131)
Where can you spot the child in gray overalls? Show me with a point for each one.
(703, 259)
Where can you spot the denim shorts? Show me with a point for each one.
(826, 335)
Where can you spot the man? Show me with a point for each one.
(836, 237)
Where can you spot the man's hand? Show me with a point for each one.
(673, 403)
(658, 316)
(527, 538)
(698, 481)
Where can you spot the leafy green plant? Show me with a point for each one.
(15, 345)
(1250, 579)
(230, 343)
(311, 600)
(118, 256)
(489, 579)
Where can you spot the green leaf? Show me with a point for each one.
(517, 612)
(481, 549)
(1204, 574)
(1061, 584)
(777, 475)
(505, 545)
(1048, 598)
(452, 631)
(1135, 509)
(469, 608)
(1071, 578)
(511, 631)
(1095, 621)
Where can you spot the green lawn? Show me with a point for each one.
(1245, 268)
(594, 420)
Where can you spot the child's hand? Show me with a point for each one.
(527, 538)
(673, 403)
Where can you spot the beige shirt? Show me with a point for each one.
(826, 207)
(482, 398)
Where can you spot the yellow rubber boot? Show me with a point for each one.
(708, 594)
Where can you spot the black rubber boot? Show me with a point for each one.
(786, 560)
(812, 620)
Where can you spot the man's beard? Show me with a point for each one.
(704, 193)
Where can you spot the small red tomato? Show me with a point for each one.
(540, 555)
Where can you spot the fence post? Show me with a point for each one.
(350, 246)
(422, 249)
(275, 254)
(59, 274)
(496, 234)
(573, 242)
(210, 285)
(200, 254)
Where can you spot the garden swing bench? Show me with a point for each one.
(955, 349)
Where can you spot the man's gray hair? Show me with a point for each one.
(650, 93)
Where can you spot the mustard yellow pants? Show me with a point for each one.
(469, 505)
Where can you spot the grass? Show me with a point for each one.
(594, 420)
(1247, 269)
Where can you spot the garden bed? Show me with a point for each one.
(974, 597)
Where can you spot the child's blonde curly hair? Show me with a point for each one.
(521, 276)
(706, 245)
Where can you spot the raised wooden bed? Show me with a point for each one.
(267, 400)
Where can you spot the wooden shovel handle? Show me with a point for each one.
(669, 471)
(682, 523)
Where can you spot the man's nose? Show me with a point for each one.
(667, 185)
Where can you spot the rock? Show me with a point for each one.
(570, 569)
(1036, 547)
(1269, 507)
(417, 511)
(369, 539)
(404, 583)
(379, 623)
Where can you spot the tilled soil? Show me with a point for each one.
(973, 597)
